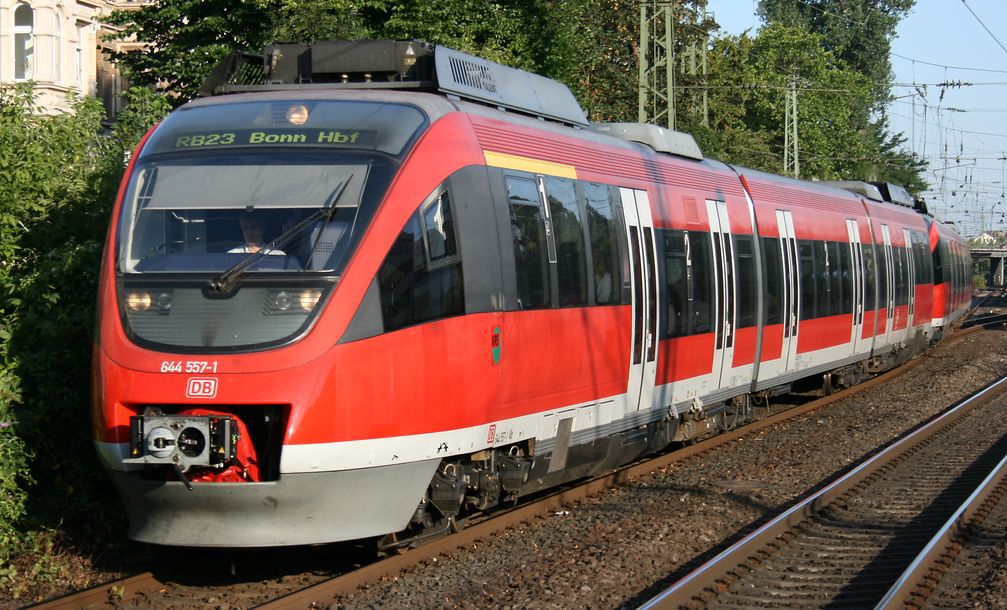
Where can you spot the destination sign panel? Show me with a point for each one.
(355, 138)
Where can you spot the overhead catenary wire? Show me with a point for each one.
(988, 31)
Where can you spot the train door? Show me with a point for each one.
(911, 287)
(643, 279)
(791, 294)
(887, 275)
(860, 344)
(724, 288)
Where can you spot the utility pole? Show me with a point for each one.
(706, 92)
(791, 160)
(657, 62)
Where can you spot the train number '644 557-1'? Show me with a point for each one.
(188, 366)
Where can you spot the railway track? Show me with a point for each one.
(962, 557)
(160, 583)
(846, 545)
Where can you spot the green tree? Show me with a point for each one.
(58, 177)
(858, 32)
(602, 67)
(184, 39)
(750, 77)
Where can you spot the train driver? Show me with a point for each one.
(253, 229)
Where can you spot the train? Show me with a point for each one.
(377, 287)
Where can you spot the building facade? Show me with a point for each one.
(58, 44)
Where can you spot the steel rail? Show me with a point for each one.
(372, 573)
(911, 588)
(105, 592)
(350, 582)
(985, 321)
(690, 588)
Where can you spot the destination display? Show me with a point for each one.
(356, 138)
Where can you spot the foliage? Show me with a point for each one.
(858, 32)
(185, 39)
(748, 87)
(980, 271)
(58, 177)
(601, 59)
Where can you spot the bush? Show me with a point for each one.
(58, 177)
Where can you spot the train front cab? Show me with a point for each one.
(255, 357)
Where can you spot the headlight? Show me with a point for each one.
(282, 301)
(163, 300)
(309, 298)
(297, 114)
(138, 301)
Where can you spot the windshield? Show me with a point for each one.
(220, 182)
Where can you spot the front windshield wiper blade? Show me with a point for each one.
(223, 283)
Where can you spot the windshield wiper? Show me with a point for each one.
(223, 283)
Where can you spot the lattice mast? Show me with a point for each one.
(791, 149)
(660, 64)
(657, 62)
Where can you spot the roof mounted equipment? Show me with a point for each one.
(660, 139)
(894, 193)
(859, 187)
(396, 64)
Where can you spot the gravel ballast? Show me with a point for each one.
(622, 546)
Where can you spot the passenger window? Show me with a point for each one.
(412, 289)
(701, 312)
(870, 278)
(604, 229)
(807, 265)
(774, 282)
(900, 279)
(882, 259)
(822, 290)
(746, 280)
(845, 278)
(832, 277)
(531, 256)
(571, 258)
(925, 270)
(675, 284)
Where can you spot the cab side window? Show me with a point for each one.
(421, 278)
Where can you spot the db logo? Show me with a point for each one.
(201, 387)
(491, 435)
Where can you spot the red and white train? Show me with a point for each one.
(399, 284)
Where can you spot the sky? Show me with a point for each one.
(963, 134)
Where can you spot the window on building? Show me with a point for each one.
(57, 46)
(78, 67)
(24, 42)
